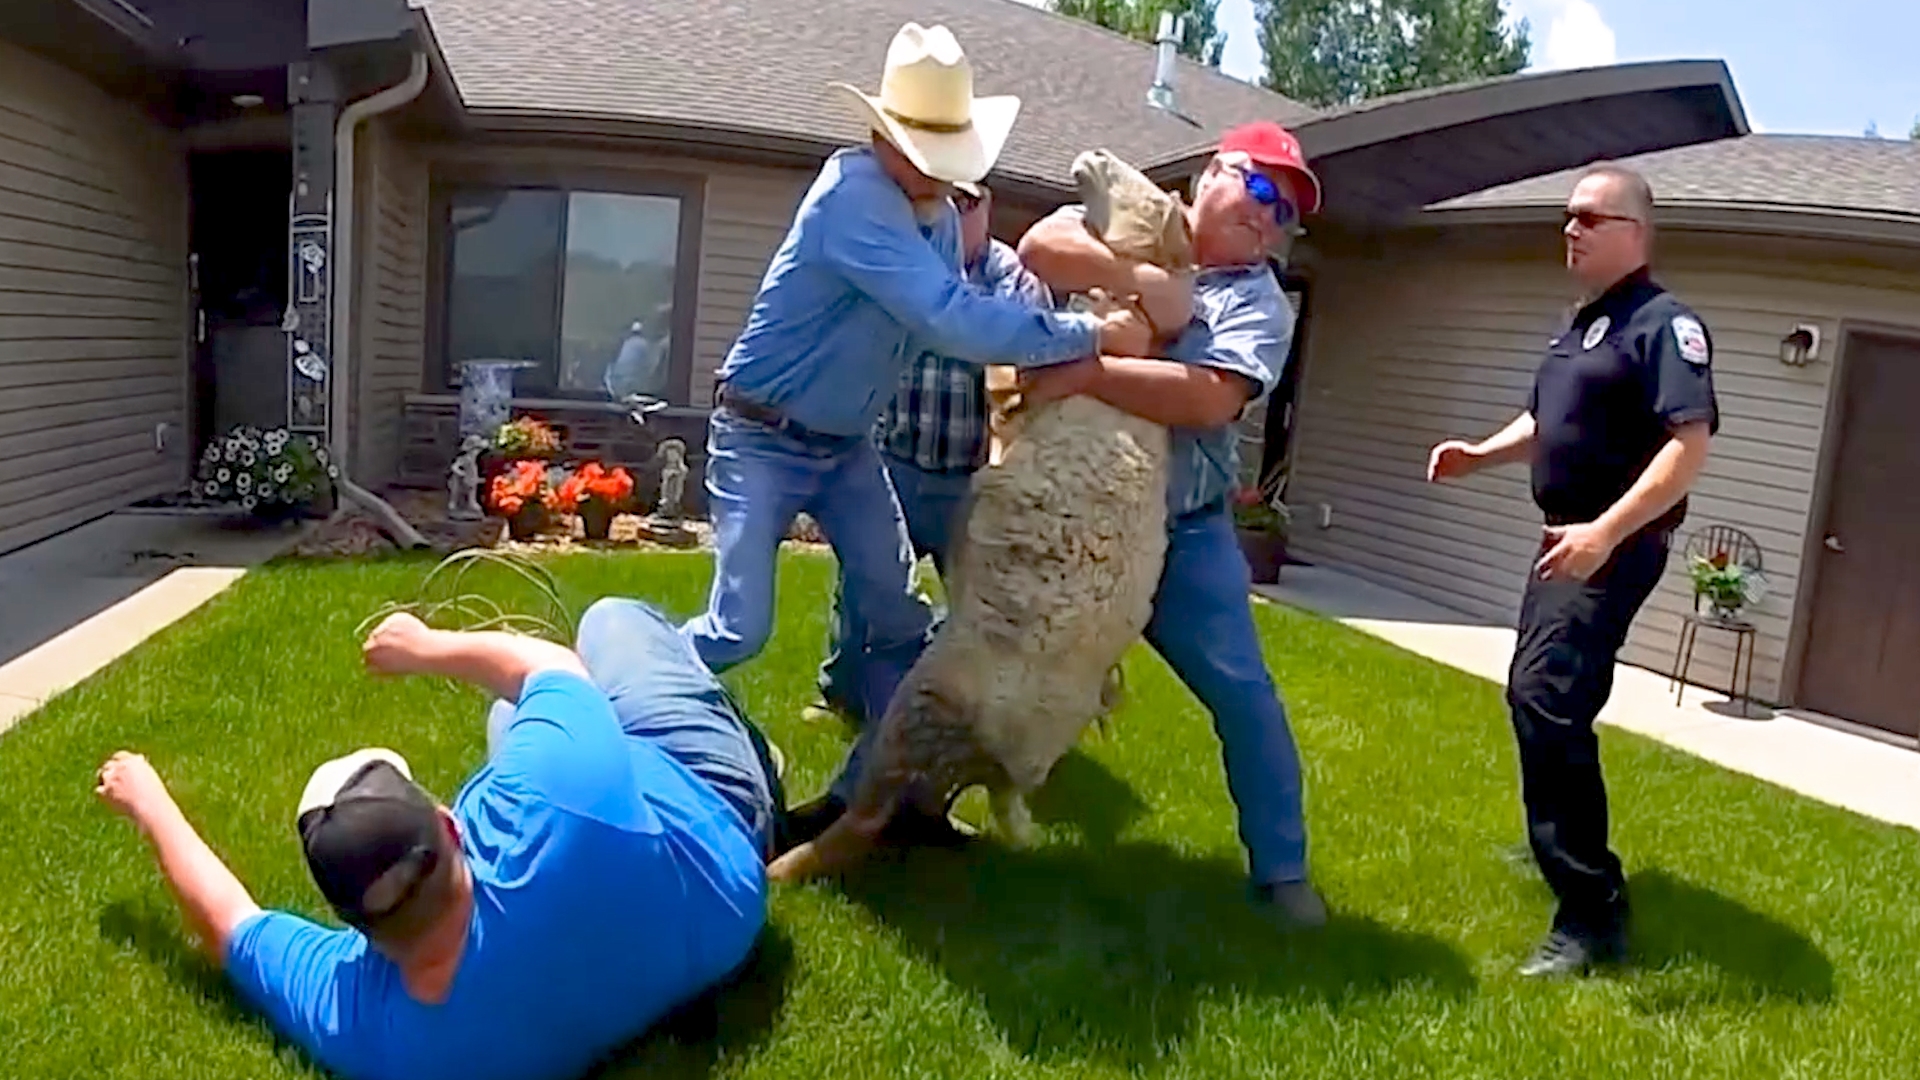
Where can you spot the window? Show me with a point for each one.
(589, 285)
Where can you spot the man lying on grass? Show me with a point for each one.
(604, 866)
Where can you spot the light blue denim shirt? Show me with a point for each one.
(1242, 323)
(858, 288)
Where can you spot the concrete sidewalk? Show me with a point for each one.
(1858, 773)
(77, 601)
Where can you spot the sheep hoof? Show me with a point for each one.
(1012, 818)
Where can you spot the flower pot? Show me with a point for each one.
(596, 519)
(1265, 552)
(528, 523)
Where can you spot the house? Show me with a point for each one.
(313, 214)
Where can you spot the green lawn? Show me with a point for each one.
(1777, 936)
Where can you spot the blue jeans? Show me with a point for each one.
(933, 504)
(662, 693)
(757, 480)
(1202, 625)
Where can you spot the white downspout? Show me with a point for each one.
(340, 286)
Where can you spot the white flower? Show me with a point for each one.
(283, 473)
(266, 491)
(212, 489)
(332, 472)
(248, 503)
(223, 476)
(243, 483)
(246, 457)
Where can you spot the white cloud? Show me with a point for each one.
(1567, 34)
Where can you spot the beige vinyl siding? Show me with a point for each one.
(93, 301)
(392, 301)
(746, 212)
(1423, 342)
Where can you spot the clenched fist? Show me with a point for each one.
(128, 783)
(398, 645)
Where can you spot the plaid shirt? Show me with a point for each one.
(937, 419)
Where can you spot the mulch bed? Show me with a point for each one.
(354, 531)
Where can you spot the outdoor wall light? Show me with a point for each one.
(249, 101)
(1801, 347)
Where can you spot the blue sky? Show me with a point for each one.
(1802, 66)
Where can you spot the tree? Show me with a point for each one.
(1915, 133)
(1140, 19)
(1337, 52)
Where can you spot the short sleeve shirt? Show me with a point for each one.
(1242, 323)
(1633, 365)
(610, 885)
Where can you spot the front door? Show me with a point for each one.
(1863, 644)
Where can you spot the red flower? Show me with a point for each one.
(593, 482)
(510, 490)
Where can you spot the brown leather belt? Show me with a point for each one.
(725, 397)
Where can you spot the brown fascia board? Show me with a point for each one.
(726, 144)
(1767, 219)
(1421, 112)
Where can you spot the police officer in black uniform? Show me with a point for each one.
(1615, 430)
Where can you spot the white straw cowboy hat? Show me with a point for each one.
(927, 110)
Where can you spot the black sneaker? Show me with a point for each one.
(909, 826)
(1573, 952)
(1291, 905)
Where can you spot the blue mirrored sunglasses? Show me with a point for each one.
(1267, 193)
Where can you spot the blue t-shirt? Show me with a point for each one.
(610, 885)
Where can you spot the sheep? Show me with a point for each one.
(1051, 580)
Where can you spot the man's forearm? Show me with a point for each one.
(1513, 443)
(1666, 480)
(1169, 392)
(212, 901)
(495, 660)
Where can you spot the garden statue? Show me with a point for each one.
(673, 478)
(664, 526)
(463, 481)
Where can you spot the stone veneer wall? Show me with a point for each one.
(432, 436)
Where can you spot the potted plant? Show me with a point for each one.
(596, 493)
(1727, 585)
(274, 475)
(526, 437)
(521, 494)
(1261, 525)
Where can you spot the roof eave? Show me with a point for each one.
(1770, 219)
(703, 141)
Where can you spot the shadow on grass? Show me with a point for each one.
(728, 1020)
(1677, 924)
(1084, 793)
(1109, 952)
(158, 936)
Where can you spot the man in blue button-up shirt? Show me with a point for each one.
(867, 278)
(1230, 355)
(933, 436)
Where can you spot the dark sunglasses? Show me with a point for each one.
(1267, 193)
(1590, 219)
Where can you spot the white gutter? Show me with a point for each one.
(340, 290)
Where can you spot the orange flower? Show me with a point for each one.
(593, 482)
(510, 490)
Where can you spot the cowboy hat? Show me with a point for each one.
(927, 110)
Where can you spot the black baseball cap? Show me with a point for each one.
(371, 835)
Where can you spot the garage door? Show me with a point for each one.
(93, 302)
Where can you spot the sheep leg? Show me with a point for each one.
(845, 843)
(1011, 815)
